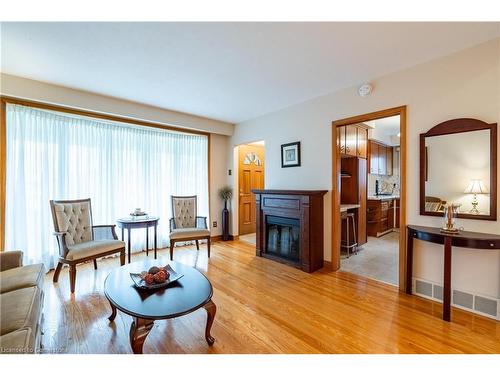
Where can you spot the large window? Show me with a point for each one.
(52, 155)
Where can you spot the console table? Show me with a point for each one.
(471, 240)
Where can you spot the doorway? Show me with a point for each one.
(369, 203)
(251, 166)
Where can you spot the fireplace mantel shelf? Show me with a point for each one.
(289, 192)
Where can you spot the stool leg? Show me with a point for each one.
(347, 237)
(355, 237)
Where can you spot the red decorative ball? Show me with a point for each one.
(160, 277)
(149, 279)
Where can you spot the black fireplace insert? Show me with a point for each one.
(283, 237)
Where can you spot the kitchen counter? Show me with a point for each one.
(345, 207)
(382, 197)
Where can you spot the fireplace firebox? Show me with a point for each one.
(283, 237)
(290, 227)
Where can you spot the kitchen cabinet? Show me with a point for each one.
(353, 191)
(350, 140)
(388, 160)
(394, 214)
(362, 142)
(379, 158)
(373, 157)
(382, 215)
(353, 141)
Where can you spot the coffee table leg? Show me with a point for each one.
(139, 330)
(211, 309)
(113, 312)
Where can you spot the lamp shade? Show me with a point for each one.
(476, 187)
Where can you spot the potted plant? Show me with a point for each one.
(225, 193)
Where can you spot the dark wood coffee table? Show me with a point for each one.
(191, 292)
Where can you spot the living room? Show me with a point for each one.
(159, 199)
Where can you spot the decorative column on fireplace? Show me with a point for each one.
(290, 227)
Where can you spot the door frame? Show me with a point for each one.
(336, 223)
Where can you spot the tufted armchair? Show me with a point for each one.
(185, 225)
(79, 240)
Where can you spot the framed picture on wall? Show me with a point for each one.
(290, 155)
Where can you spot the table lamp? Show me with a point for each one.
(475, 187)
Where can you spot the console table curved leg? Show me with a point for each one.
(211, 310)
(139, 330)
(113, 313)
(447, 280)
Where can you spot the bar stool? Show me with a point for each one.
(346, 243)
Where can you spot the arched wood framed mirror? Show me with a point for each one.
(458, 164)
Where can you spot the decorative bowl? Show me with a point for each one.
(138, 279)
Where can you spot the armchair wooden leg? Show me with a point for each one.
(57, 271)
(208, 246)
(197, 245)
(95, 264)
(122, 257)
(72, 277)
(172, 243)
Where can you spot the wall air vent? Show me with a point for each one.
(486, 306)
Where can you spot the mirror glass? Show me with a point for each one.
(458, 171)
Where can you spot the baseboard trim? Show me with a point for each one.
(219, 238)
(327, 265)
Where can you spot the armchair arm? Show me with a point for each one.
(10, 259)
(61, 242)
(201, 222)
(104, 232)
(172, 224)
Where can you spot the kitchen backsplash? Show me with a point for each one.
(385, 184)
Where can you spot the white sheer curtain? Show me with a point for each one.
(120, 167)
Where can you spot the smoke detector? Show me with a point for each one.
(365, 90)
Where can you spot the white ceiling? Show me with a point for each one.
(226, 71)
(387, 125)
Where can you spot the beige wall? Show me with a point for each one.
(218, 178)
(52, 94)
(39, 91)
(465, 84)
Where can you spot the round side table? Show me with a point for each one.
(139, 222)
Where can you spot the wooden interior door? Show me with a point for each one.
(250, 176)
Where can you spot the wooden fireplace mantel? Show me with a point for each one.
(304, 205)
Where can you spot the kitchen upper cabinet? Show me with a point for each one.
(362, 142)
(373, 157)
(382, 160)
(379, 158)
(353, 141)
(341, 138)
(350, 140)
(388, 161)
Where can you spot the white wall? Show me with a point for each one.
(465, 84)
(47, 93)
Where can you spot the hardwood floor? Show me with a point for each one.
(265, 307)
